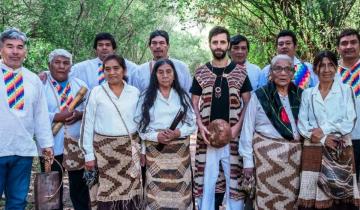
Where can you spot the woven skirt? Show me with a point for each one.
(277, 163)
(118, 187)
(311, 195)
(168, 175)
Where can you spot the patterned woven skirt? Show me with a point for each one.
(311, 195)
(277, 163)
(168, 176)
(118, 187)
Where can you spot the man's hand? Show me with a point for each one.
(43, 76)
(316, 135)
(90, 165)
(76, 116)
(62, 116)
(203, 131)
(48, 154)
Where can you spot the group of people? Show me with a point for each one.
(124, 135)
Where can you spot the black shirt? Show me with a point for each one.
(220, 106)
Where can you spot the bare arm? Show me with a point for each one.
(195, 102)
(235, 130)
(203, 130)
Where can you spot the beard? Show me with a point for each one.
(217, 55)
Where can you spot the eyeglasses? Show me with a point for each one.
(279, 69)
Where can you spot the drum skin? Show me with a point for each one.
(220, 133)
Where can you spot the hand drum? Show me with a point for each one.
(220, 133)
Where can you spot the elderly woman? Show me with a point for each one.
(109, 139)
(269, 134)
(168, 166)
(326, 118)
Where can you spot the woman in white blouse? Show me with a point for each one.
(269, 141)
(109, 139)
(326, 119)
(168, 165)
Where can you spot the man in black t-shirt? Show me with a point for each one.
(224, 89)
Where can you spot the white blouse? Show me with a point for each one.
(256, 120)
(335, 113)
(162, 115)
(102, 117)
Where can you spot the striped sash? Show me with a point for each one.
(64, 93)
(14, 89)
(301, 75)
(351, 77)
(101, 75)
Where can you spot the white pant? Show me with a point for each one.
(211, 173)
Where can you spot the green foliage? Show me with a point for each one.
(188, 47)
(72, 25)
(317, 23)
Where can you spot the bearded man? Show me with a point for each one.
(224, 89)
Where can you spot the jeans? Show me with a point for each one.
(15, 173)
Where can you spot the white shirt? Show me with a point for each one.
(355, 134)
(142, 78)
(53, 99)
(254, 73)
(102, 117)
(335, 113)
(87, 71)
(256, 120)
(265, 74)
(18, 127)
(162, 115)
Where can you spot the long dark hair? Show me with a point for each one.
(151, 93)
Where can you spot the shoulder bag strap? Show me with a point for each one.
(136, 158)
(118, 111)
(313, 110)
